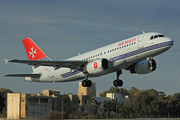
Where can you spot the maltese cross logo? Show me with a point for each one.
(32, 52)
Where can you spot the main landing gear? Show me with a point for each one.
(118, 82)
(86, 82)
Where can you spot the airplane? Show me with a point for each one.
(134, 54)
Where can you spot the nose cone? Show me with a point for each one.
(169, 42)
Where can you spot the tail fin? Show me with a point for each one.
(33, 51)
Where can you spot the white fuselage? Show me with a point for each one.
(122, 54)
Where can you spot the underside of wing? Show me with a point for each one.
(22, 75)
(74, 64)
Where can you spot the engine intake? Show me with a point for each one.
(144, 67)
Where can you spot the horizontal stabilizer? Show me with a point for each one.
(22, 75)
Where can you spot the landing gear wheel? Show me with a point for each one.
(86, 83)
(117, 83)
(120, 83)
(89, 83)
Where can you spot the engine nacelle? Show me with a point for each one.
(144, 67)
(98, 66)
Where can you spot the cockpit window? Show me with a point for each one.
(160, 35)
(151, 37)
(156, 36)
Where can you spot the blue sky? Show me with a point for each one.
(63, 29)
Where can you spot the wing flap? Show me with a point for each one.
(22, 75)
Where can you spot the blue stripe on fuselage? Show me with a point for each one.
(126, 55)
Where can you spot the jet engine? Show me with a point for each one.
(144, 67)
(98, 66)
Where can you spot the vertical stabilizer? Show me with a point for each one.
(33, 51)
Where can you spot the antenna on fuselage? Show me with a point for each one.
(143, 32)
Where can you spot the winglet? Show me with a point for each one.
(6, 61)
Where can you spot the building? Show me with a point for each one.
(109, 96)
(29, 106)
(22, 105)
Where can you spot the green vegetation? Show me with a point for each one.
(141, 104)
(55, 115)
(3, 101)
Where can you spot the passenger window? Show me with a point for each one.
(104, 52)
(100, 53)
(127, 45)
(115, 49)
(134, 42)
(112, 49)
(96, 55)
(89, 58)
(108, 51)
(122, 46)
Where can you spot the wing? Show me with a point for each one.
(73, 64)
(22, 75)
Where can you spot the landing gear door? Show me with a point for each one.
(140, 41)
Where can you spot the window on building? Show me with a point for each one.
(85, 102)
(79, 109)
(74, 109)
(22, 100)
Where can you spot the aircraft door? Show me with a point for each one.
(140, 41)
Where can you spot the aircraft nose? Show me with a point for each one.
(169, 42)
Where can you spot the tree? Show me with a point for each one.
(114, 90)
(3, 101)
(55, 115)
(94, 109)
